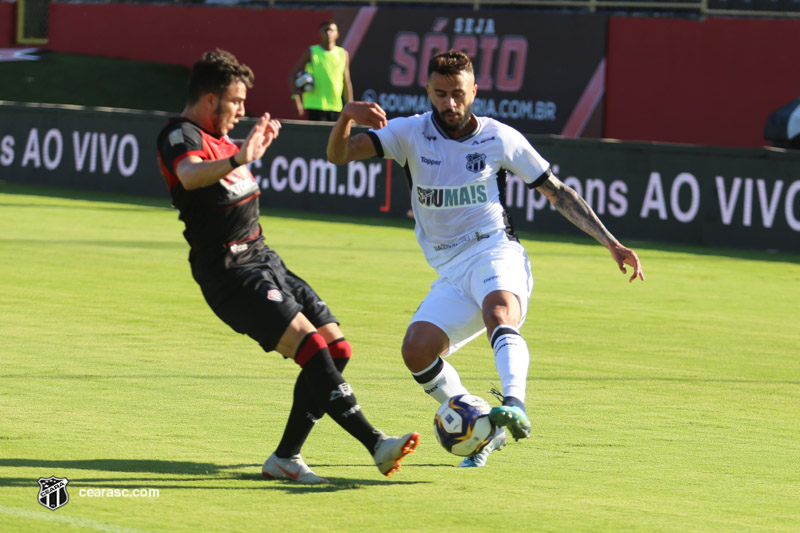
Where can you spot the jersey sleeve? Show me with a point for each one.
(391, 140)
(179, 141)
(523, 160)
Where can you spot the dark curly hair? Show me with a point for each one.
(450, 63)
(215, 72)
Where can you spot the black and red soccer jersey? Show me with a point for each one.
(221, 219)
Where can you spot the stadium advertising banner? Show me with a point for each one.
(704, 195)
(541, 73)
(718, 196)
(295, 174)
(66, 146)
(75, 147)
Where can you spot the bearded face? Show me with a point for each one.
(451, 101)
(453, 120)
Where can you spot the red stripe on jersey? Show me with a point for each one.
(248, 238)
(171, 175)
(171, 178)
(243, 201)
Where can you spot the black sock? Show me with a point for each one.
(512, 401)
(302, 417)
(431, 373)
(327, 390)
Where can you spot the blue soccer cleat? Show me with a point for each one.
(479, 459)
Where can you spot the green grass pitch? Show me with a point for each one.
(669, 405)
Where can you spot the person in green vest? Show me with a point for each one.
(329, 67)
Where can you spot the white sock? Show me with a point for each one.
(511, 358)
(440, 380)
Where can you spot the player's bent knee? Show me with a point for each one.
(419, 351)
(417, 361)
(501, 307)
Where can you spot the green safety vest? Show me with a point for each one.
(327, 68)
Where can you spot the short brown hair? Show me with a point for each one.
(215, 72)
(450, 63)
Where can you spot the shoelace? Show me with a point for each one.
(496, 393)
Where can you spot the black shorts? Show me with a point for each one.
(260, 298)
(320, 115)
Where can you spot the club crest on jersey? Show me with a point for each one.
(274, 295)
(53, 492)
(476, 162)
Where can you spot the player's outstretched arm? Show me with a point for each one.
(195, 173)
(570, 204)
(344, 147)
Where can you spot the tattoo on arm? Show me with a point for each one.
(575, 209)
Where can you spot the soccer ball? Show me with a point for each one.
(462, 424)
(304, 81)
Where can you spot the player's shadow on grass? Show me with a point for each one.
(120, 465)
(336, 483)
(185, 475)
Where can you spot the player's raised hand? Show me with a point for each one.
(271, 129)
(625, 256)
(260, 137)
(365, 113)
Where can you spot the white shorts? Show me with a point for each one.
(454, 301)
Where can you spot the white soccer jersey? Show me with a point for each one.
(457, 185)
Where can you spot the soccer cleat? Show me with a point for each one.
(390, 450)
(293, 469)
(479, 459)
(513, 418)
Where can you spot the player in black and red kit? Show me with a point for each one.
(245, 282)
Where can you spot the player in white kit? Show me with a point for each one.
(456, 164)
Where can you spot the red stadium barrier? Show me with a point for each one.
(713, 81)
(267, 40)
(8, 17)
